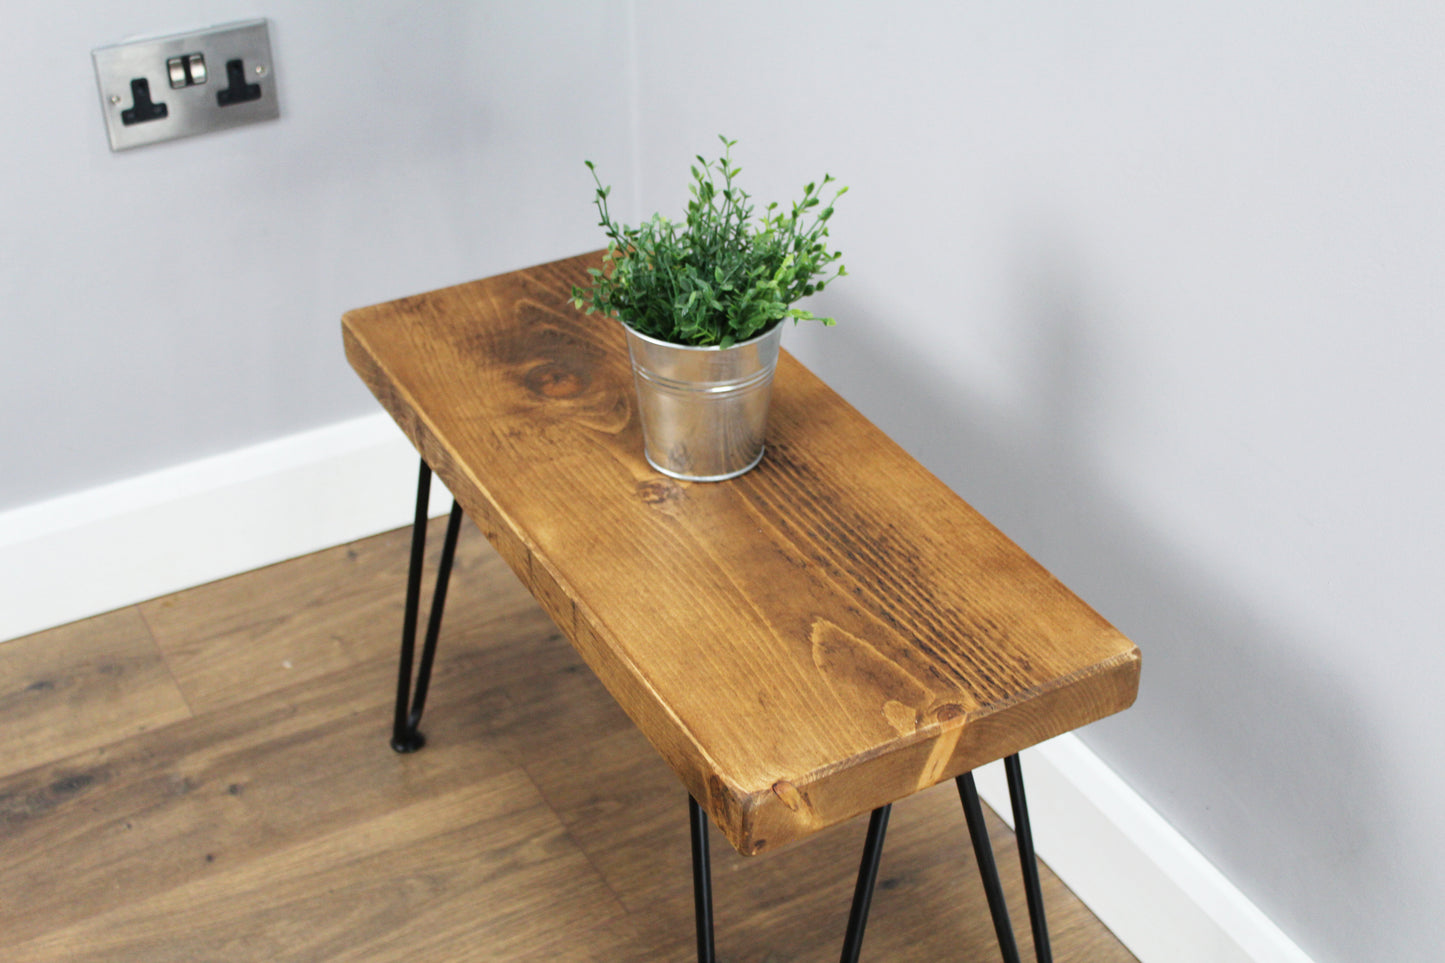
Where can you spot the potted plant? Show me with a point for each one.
(703, 303)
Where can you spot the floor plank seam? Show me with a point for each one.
(165, 658)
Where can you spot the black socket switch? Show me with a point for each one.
(237, 91)
(143, 108)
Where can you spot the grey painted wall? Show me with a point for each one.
(180, 300)
(1158, 288)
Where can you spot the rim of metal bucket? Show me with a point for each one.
(700, 347)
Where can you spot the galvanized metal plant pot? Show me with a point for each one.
(704, 410)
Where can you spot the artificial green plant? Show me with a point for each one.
(720, 277)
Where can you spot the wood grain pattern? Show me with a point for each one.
(76, 688)
(830, 632)
(222, 652)
(538, 825)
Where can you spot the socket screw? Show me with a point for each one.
(260, 70)
(114, 99)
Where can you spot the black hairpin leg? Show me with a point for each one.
(1027, 861)
(701, 882)
(863, 890)
(872, 856)
(983, 852)
(405, 736)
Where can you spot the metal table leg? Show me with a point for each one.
(863, 889)
(1028, 862)
(868, 873)
(405, 735)
(983, 852)
(701, 882)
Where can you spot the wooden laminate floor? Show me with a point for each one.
(206, 776)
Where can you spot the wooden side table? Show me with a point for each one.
(823, 636)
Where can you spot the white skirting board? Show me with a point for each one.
(1133, 870)
(98, 550)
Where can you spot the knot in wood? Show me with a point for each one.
(551, 379)
(789, 795)
(659, 491)
(948, 712)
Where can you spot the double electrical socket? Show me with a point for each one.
(186, 83)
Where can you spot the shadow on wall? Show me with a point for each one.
(1256, 753)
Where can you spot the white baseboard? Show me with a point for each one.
(1133, 870)
(97, 550)
(83, 554)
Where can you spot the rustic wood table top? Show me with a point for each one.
(830, 632)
